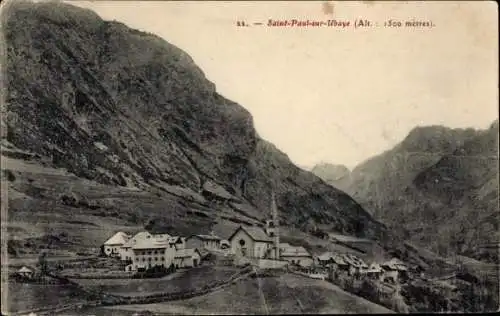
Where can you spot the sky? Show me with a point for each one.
(337, 95)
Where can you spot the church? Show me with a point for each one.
(255, 242)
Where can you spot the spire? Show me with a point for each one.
(274, 211)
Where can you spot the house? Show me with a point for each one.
(296, 255)
(374, 271)
(334, 262)
(324, 259)
(208, 242)
(25, 272)
(251, 242)
(177, 242)
(150, 251)
(356, 266)
(187, 258)
(126, 252)
(112, 246)
(394, 270)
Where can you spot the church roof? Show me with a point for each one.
(256, 233)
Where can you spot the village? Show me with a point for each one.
(247, 245)
(146, 266)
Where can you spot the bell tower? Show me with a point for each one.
(272, 228)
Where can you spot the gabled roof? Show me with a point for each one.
(285, 245)
(161, 236)
(24, 269)
(119, 238)
(325, 256)
(186, 253)
(354, 261)
(145, 240)
(256, 233)
(206, 237)
(150, 243)
(136, 238)
(374, 268)
(338, 260)
(394, 264)
(293, 251)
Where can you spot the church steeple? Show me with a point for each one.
(275, 223)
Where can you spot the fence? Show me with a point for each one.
(99, 276)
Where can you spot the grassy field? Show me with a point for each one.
(24, 296)
(288, 294)
(180, 281)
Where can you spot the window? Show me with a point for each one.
(149, 252)
(156, 252)
(149, 259)
(242, 242)
(156, 258)
(143, 259)
(162, 258)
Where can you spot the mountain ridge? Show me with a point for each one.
(436, 168)
(125, 108)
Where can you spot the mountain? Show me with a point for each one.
(338, 176)
(461, 193)
(438, 188)
(125, 126)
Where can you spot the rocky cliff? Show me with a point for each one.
(127, 109)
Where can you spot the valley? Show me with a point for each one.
(108, 130)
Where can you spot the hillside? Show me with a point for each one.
(437, 188)
(118, 128)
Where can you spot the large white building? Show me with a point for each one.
(145, 250)
(151, 252)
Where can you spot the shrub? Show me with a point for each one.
(10, 175)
